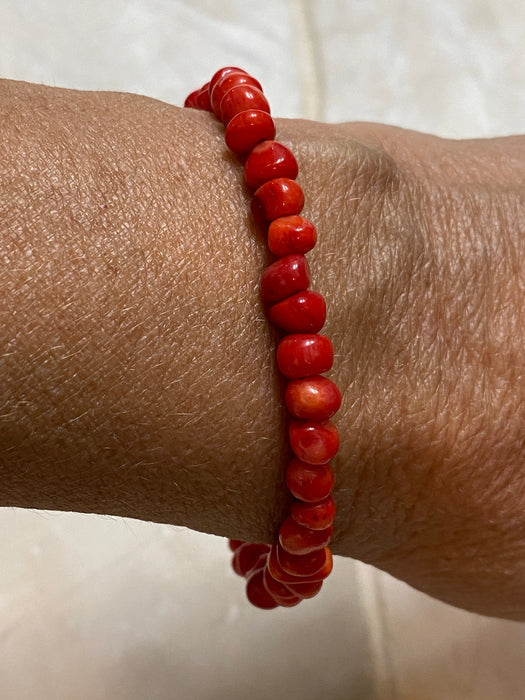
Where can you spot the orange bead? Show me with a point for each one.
(284, 277)
(257, 593)
(314, 443)
(248, 128)
(304, 355)
(301, 564)
(297, 539)
(304, 312)
(228, 81)
(268, 160)
(291, 234)
(312, 398)
(246, 557)
(279, 592)
(218, 75)
(305, 590)
(276, 198)
(315, 516)
(308, 482)
(239, 99)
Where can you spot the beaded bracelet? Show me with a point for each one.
(295, 566)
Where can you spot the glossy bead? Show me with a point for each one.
(308, 482)
(316, 516)
(283, 576)
(268, 160)
(218, 75)
(257, 593)
(312, 398)
(246, 129)
(314, 443)
(303, 564)
(279, 592)
(284, 277)
(305, 590)
(246, 557)
(235, 544)
(203, 98)
(240, 98)
(276, 198)
(227, 82)
(301, 313)
(297, 539)
(191, 100)
(303, 354)
(291, 234)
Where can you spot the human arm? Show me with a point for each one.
(138, 367)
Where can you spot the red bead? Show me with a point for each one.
(291, 234)
(279, 592)
(235, 544)
(314, 443)
(301, 564)
(221, 73)
(283, 576)
(278, 197)
(203, 98)
(191, 100)
(240, 98)
(315, 516)
(312, 398)
(308, 482)
(248, 128)
(257, 593)
(303, 354)
(284, 277)
(301, 313)
(297, 539)
(268, 160)
(247, 556)
(305, 590)
(226, 83)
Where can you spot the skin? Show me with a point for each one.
(137, 365)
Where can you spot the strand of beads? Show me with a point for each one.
(295, 566)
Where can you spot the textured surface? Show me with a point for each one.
(95, 608)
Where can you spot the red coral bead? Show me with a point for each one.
(303, 354)
(314, 443)
(246, 129)
(301, 564)
(312, 398)
(227, 82)
(305, 590)
(240, 98)
(221, 73)
(284, 277)
(203, 98)
(301, 313)
(246, 557)
(283, 576)
(315, 516)
(268, 160)
(279, 592)
(257, 593)
(276, 198)
(291, 234)
(309, 482)
(235, 544)
(297, 539)
(191, 100)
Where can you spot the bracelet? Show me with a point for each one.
(295, 566)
